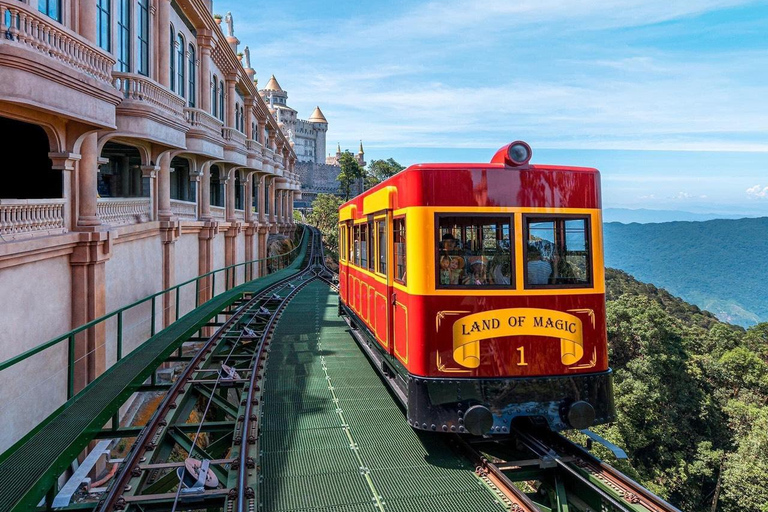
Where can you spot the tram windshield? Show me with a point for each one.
(474, 251)
(557, 252)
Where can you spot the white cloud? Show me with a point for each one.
(758, 192)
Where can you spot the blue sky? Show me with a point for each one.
(666, 97)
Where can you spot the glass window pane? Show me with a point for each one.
(399, 241)
(474, 251)
(558, 252)
(382, 247)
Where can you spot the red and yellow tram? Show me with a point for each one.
(479, 290)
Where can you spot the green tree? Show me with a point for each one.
(325, 216)
(350, 171)
(379, 170)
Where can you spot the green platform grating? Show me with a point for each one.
(333, 438)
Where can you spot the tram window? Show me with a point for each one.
(398, 227)
(371, 254)
(382, 247)
(474, 251)
(364, 245)
(557, 252)
(342, 253)
(356, 231)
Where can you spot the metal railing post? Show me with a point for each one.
(120, 335)
(152, 331)
(71, 368)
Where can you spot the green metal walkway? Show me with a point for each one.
(30, 467)
(332, 437)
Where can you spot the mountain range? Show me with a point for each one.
(719, 265)
(645, 216)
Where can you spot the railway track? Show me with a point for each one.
(529, 470)
(220, 444)
(539, 470)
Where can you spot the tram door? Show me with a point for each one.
(383, 288)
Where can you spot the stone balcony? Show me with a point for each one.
(204, 135)
(38, 54)
(234, 145)
(148, 108)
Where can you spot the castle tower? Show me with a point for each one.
(318, 121)
(360, 156)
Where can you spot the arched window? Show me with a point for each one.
(142, 33)
(254, 132)
(180, 63)
(221, 101)
(51, 8)
(192, 77)
(214, 94)
(173, 59)
(103, 7)
(124, 36)
(237, 116)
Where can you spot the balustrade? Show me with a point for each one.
(19, 217)
(36, 31)
(233, 136)
(202, 120)
(217, 212)
(124, 210)
(140, 88)
(184, 210)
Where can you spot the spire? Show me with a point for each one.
(361, 148)
(317, 116)
(272, 85)
(338, 148)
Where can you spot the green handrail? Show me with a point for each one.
(70, 336)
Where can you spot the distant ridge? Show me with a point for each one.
(719, 265)
(645, 216)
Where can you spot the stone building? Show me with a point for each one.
(307, 137)
(138, 155)
(317, 178)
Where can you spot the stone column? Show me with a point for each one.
(271, 142)
(230, 103)
(150, 171)
(262, 198)
(279, 205)
(164, 42)
(204, 193)
(229, 200)
(263, 132)
(87, 177)
(204, 39)
(290, 207)
(248, 198)
(248, 109)
(164, 188)
(87, 20)
(272, 219)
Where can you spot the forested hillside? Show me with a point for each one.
(720, 265)
(691, 397)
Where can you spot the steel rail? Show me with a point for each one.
(243, 491)
(543, 449)
(111, 500)
(506, 486)
(643, 496)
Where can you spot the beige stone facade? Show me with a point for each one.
(141, 155)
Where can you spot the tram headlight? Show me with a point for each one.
(519, 153)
